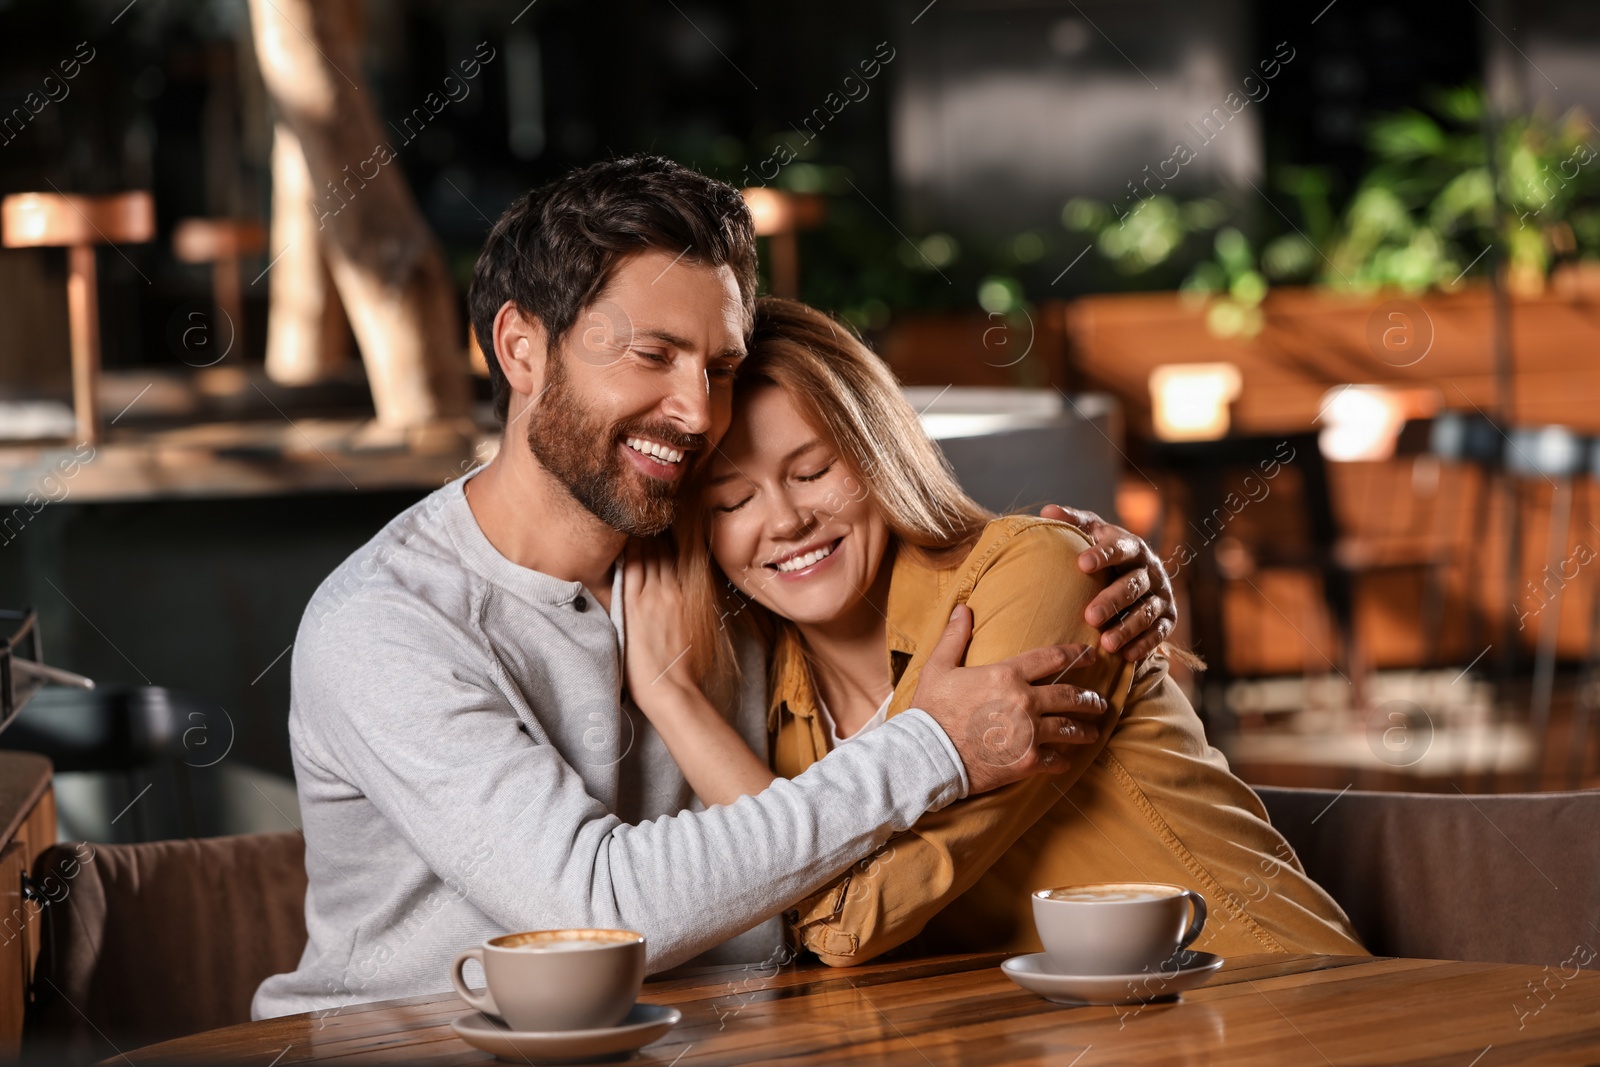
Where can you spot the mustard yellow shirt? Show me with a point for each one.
(1149, 801)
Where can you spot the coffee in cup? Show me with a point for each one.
(544, 980)
(1116, 927)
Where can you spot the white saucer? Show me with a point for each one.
(1186, 970)
(644, 1024)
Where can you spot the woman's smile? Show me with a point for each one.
(806, 561)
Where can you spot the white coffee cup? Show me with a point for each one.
(544, 980)
(1116, 927)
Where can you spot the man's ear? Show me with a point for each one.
(522, 347)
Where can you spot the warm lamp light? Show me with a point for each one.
(1361, 423)
(777, 215)
(56, 219)
(771, 210)
(1190, 400)
(1139, 507)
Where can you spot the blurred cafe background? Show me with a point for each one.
(1310, 301)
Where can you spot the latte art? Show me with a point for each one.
(565, 940)
(1111, 893)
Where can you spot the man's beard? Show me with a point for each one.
(581, 451)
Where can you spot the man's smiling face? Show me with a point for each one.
(641, 389)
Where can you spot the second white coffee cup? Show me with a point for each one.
(1116, 927)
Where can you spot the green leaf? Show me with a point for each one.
(1405, 136)
(1233, 251)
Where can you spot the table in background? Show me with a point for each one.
(961, 1009)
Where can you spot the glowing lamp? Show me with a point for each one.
(1190, 400)
(771, 210)
(1361, 423)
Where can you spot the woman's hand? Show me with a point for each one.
(657, 665)
(715, 760)
(1139, 600)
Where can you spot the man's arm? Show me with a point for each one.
(1033, 594)
(429, 731)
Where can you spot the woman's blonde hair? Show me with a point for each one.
(850, 397)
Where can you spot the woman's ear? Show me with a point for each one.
(522, 347)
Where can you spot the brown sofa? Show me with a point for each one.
(1509, 878)
(151, 941)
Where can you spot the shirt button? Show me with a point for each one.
(581, 603)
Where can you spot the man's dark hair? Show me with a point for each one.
(554, 249)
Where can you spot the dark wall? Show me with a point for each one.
(198, 596)
(1362, 58)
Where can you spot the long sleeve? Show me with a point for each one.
(426, 728)
(1031, 593)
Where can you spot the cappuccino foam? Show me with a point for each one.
(564, 940)
(1112, 893)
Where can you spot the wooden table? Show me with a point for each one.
(27, 828)
(963, 1010)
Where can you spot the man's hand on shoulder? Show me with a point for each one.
(1004, 727)
(1139, 601)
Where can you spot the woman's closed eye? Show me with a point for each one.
(726, 508)
(814, 476)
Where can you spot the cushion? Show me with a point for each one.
(1510, 878)
(151, 941)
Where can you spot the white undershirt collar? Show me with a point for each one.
(879, 717)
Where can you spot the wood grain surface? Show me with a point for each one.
(962, 1010)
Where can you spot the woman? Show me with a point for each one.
(829, 527)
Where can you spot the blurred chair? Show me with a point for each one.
(1302, 537)
(156, 940)
(129, 731)
(1428, 540)
(1465, 438)
(1556, 455)
(1509, 878)
(1015, 449)
(1589, 678)
(1467, 442)
(222, 243)
(78, 223)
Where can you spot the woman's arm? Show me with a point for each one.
(718, 764)
(1032, 593)
(715, 760)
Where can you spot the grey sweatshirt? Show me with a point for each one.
(467, 765)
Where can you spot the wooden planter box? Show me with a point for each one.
(1313, 341)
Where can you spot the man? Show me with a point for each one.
(467, 761)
